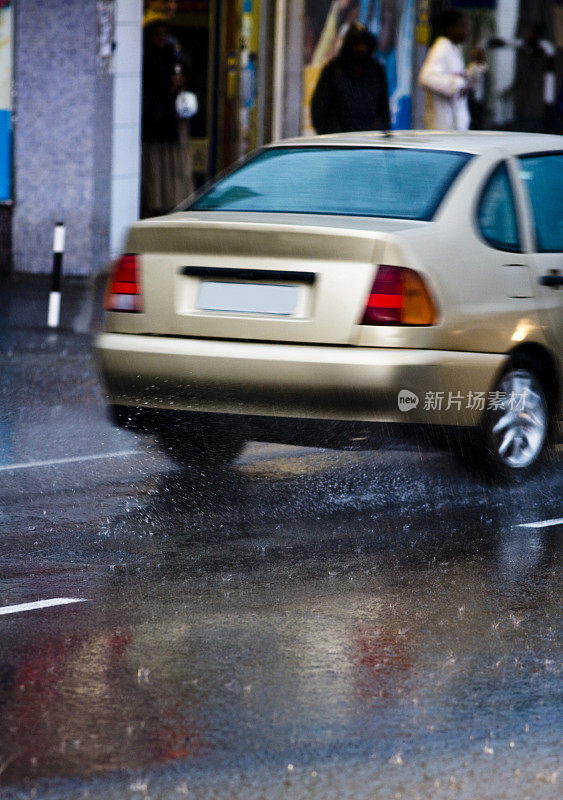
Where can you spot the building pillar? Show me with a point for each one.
(62, 132)
(287, 93)
(126, 129)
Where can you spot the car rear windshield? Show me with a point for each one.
(369, 182)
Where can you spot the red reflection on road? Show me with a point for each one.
(73, 705)
(383, 659)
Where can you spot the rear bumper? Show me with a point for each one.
(288, 380)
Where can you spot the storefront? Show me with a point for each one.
(225, 47)
(74, 152)
(525, 67)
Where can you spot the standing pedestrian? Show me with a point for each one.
(446, 79)
(351, 94)
(166, 158)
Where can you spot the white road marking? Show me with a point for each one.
(55, 601)
(547, 523)
(74, 460)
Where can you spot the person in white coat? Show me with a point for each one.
(446, 79)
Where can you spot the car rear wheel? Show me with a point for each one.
(200, 445)
(517, 426)
(189, 439)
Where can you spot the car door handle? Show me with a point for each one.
(551, 280)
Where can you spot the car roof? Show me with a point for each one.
(474, 142)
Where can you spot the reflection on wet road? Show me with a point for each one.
(305, 623)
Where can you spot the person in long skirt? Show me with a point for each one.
(167, 175)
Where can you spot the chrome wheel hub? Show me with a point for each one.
(519, 419)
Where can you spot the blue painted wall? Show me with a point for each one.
(5, 155)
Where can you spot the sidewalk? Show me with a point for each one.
(24, 300)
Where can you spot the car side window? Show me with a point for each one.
(543, 177)
(496, 216)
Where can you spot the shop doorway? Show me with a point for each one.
(224, 44)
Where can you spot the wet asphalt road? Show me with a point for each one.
(303, 624)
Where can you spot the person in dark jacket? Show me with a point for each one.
(352, 93)
(162, 78)
(166, 156)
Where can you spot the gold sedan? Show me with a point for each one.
(403, 285)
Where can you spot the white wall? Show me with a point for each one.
(126, 127)
(503, 63)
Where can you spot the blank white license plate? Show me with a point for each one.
(248, 298)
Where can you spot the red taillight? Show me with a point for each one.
(123, 291)
(399, 297)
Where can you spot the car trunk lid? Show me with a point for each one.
(296, 279)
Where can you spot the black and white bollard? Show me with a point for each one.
(54, 313)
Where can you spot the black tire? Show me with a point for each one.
(189, 439)
(196, 444)
(515, 436)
